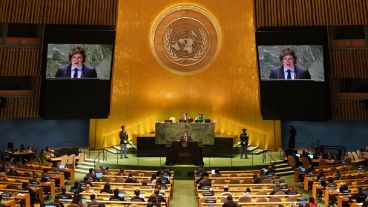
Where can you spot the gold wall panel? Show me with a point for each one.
(143, 92)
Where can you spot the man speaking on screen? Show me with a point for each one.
(289, 70)
(76, 68)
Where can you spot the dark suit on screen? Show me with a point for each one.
(300, 73)
(87, 72)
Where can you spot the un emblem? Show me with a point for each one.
(185, 39)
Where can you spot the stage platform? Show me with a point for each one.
(254, 161)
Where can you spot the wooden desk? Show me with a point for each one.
(286, 203)
(69, 172)
(35, 188)
(329, 162)
(341, 199)
(315, 188)
(330, 192)
(115, 203)
(129, 193)
(20, 154)
(181, 152)
(20, 195)
(297, 174)
(50, 184)
(9, 202)
(59, 176)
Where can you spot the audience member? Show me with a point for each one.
(64, 194)
(152, 179)
(45, 177)
(270, 171)
(163, 179)
(152, 201)
(163, 170)
(137, 196)
(226, 191)
(11, 171)
(200, 171)
(259, 177)
(205, 182)
(91, 174)
(88, 189)
(311, 202)
(106, 189)
(3, 176)
(103, 169)
(76, 201)
(116, 196)
(337, 175)
(229, 202)
(122, 172)
(32, 194)
(131, 179)
(247, 193)
(57, 201)
(276, 189)
(86, 181)
(360, 197)
(76, 188)
(160, 198)
(93, 201)
(144, 183)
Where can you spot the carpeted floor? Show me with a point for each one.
(183, 194)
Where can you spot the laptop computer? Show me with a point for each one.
(99, 175)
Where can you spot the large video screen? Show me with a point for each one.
(89, 60)
(293, 69)
(304, 62)
(77, 63)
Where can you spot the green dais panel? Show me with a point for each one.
(199, 132)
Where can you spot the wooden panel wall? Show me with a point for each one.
(23, 107)
(350, 110)
(85, 12)
(20, 61)
(350, 63)
(22, 11)
(25, 61)
(272, 13)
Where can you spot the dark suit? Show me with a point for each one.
(359, 197)
(230, 204)
(204, 183)
(244, 144)
(189, 138)
(300, 73)
(87, 72)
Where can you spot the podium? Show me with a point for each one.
(182, 152)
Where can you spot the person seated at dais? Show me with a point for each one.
(200, 118)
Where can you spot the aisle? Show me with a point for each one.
(183, 194)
